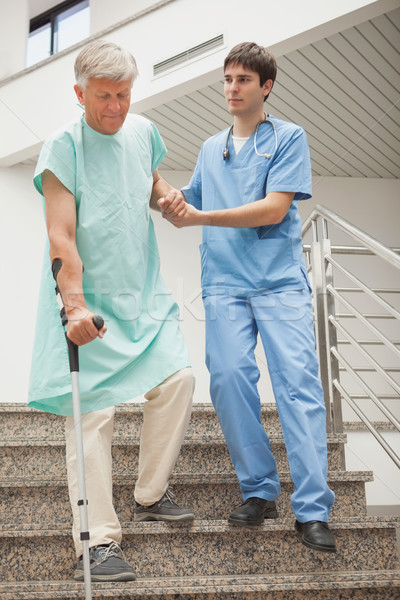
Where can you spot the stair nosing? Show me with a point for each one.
(260, 582)
(189, 478)
(202, 526)
(129, 440)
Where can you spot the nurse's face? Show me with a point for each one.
(106, 103)
(243, 92)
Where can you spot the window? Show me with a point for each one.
(57, 29)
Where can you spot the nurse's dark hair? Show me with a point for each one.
(102, 59)
(254, 58)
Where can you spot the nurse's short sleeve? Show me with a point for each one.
(193, 191)
(291, 167)
(58, 156)
(159, 149)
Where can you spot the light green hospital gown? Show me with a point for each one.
(111, 179)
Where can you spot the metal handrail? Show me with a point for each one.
(372, 370)
(365, 321)
(340, 249)
(377, 367)
(378, 316)
(368, 342)
(366, 389)
(385, 445)
(375, 290)
(321, 267)
(369, 242)
(364, 288)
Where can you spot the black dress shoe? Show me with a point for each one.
(253, 512)
(317, 535)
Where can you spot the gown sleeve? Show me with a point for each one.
(57, 155)
(159, 149)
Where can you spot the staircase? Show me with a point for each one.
(208, 559)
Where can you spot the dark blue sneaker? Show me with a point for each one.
(166, 509)
(107, 563)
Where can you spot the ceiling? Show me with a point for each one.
(344, 90)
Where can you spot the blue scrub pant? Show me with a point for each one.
(284, 321)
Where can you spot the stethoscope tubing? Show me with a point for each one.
(225, 151)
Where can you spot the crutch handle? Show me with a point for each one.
(98, 322)
(55, 267)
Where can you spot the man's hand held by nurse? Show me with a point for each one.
(175, 209)
(173, 205)
(180, 216)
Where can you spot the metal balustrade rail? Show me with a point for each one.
(345, 310)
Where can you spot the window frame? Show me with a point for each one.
(49, 17)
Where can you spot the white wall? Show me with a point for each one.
(371, 204)
(101, 17)
(22, 234)
(363, 453)
(14, 29)
(33, 105)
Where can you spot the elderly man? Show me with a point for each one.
(99, 177)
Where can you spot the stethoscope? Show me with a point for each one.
(225, 151)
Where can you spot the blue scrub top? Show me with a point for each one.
(249, 261)
(111, 177)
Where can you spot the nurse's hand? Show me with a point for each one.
(191, 217)
(80, 328)
(173, 205)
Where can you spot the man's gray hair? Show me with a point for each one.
(102, 59)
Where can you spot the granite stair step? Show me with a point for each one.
(213, 496)
(206, 548)
(18, 420)
(33, 458)
(347, 585)
(203, 560)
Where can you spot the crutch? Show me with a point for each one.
(74, 368)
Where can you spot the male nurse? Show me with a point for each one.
(244, 192)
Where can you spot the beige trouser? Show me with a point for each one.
(166, 415)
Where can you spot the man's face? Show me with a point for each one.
(106, 103)
(243, 93)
